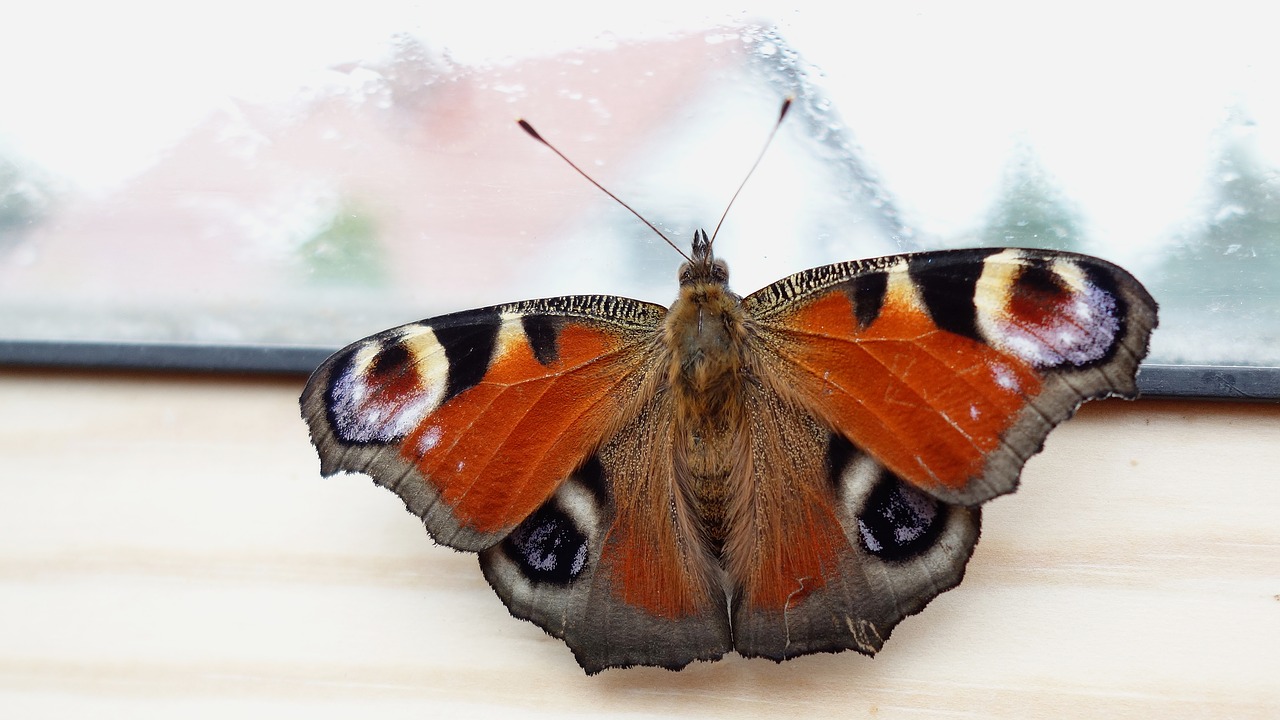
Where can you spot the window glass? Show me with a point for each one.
(250, 175)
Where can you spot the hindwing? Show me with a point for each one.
(638, 586)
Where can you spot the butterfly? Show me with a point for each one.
(786, 473)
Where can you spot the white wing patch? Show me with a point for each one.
(371, 409)
(1080, 330)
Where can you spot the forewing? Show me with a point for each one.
(950, 368)
(474, 419)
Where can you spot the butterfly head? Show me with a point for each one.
(703, 267)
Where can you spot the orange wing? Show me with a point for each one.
(613, 563)
(533, 434)
(475, 418)
(950, 368)
(832, 550)
(896, 395)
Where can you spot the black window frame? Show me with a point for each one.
(1155, 380)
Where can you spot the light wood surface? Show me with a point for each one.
(168, 549)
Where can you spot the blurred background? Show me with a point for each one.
(280, 174)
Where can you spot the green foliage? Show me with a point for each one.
(1031, 210)
(1232, 254)
(346, 251)
(24, 201)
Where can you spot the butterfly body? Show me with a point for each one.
(708, 359)
(791, 472)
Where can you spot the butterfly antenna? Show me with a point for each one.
(786, 105)
(534, 134)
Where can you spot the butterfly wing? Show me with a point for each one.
(613, 564)
(831, 551)
(474, 419)
(533, 433)
(897, 394)
(950, 368)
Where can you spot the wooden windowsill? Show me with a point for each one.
(167, 548)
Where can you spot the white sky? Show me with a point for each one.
(92, 92)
